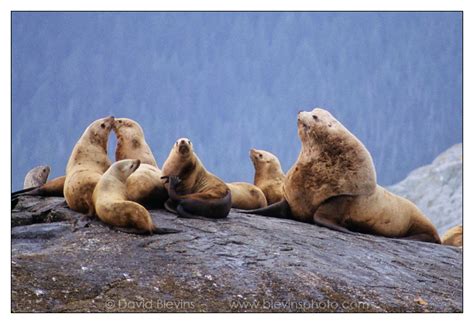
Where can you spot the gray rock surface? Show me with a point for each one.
(437, 189)
(244, 263)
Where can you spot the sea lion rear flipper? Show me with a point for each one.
(164, 231)
(280, 209)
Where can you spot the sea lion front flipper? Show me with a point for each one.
(321, 219)
(280, 209)
(170, 206)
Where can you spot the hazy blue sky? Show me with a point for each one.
(232, 81)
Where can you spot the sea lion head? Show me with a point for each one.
(317, 125)
(183, 147)
(262, 159)
(130, 141)
(98, 132)
(42, 170)
(181, 161)
(127, 127)
(124, 168)
(37, 176)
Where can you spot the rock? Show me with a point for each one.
(244, 263)
(437, 189)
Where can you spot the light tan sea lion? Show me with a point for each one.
(144, 185)
(269, 176)
(333, 184)
(87, 163)
(453, 236)
(113, 207)
(246, 196)
(194, 192)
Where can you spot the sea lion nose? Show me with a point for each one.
(182, 142)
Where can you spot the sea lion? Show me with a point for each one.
(144, 185)
(246, 196)
(87, 163)
(333, 184)
(36, 177)
(453, 236)
(269, 176)
(193, 191)
(113, 207)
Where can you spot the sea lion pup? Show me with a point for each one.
(453, 236)
(246, 196)
(194, 192)
(144, 185)
(269, 176)
(113, 207)
(36, 177)
(333, 184)
(87, 163)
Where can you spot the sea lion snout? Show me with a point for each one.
(184, 145)
(183, 149)
(136, 164)
(107, 122)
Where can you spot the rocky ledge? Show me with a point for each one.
(244, 263)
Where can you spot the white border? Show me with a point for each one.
(7, 6)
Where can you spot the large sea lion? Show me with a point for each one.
(453, 236)
(144, 185)
(333, 184)
(269, 176)
(193, 191)
(246, 196)
(87, 163)
(112, 206)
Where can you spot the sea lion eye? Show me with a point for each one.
(102, 125)
(120, 121)
(260, 155)
(315, 117)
